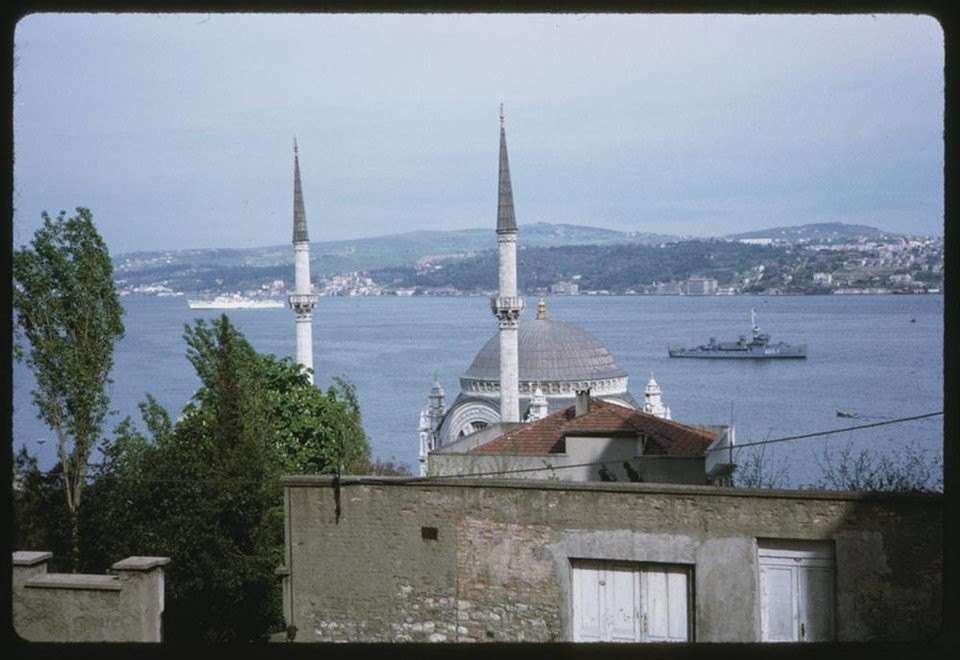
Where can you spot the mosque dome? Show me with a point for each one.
(556, 359)
(549, 351)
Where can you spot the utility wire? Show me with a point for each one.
(819, 433)
(727, 448)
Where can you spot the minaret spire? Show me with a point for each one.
(299, 214)
(508, 305)
(506, 219)
(303, 300)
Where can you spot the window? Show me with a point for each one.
(630, 602)
(796, 591)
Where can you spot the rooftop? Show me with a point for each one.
(548, 435)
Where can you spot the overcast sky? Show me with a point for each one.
(177, 130)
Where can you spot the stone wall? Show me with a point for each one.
(126, 606)
(381, 559)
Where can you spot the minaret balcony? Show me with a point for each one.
(506, 305)
(303, 302)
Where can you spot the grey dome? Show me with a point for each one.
(549, 350)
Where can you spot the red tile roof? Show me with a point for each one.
(548, 435)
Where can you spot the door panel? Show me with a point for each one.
(678, 591)
(779, 604)
(621, 603)
(666, 605)
(587, 605)
(796, 591)
(629, 602)
(816, 603)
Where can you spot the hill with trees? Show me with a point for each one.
(464, 260)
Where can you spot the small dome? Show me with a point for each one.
(549, 350)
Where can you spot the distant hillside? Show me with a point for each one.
(836, 232)
(236, 269)
(615, 268)
(208, 269)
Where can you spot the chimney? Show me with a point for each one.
(583, 403)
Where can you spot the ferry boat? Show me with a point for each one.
(235, 301)
(758, 347)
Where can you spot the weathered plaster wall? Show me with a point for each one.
(485, 560)
(585, 456)
(126, 606)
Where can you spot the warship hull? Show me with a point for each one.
(765, 353)
(758, 347)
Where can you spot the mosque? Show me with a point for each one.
(535, 366)
(528, 372)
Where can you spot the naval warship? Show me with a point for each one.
(758, 347)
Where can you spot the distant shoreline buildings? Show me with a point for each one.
(899, 265)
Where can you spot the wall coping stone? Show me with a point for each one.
(74, 581)
(30, 557)
(140, 563)
(327, 481)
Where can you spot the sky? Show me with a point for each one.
(177, 130)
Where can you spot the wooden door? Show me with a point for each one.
(796, 593)
(629, 602)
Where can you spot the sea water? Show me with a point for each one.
(880, 357)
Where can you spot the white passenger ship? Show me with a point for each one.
(235, 301)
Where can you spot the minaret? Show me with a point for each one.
(651, 400)
(430, 420)
(437, 408)
(302, 300)
(538, 406)
(508, 305)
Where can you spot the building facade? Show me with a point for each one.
(482, 560)
(592, 440)
(700, 286)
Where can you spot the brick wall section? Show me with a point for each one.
(499, 567)
(496, 610)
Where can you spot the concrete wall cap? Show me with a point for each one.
(74, 581)
(140, 563)
(30, 557)
(327, 481)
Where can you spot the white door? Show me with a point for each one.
(629, 602)
(665, 604)
(796, 592)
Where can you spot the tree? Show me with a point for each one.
(205, 491)
(759, 471)
(40, 515)
(908, 470)
(68, 309)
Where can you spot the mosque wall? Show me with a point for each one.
(390, 560)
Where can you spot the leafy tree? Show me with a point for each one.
(41, 519)
(68, 310)
(205, 490)
(381, 467)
